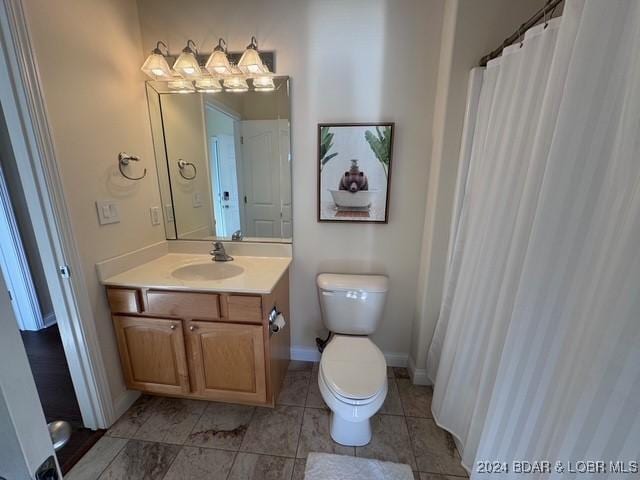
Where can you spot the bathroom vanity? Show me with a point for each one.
(185, 325)
(193, 328)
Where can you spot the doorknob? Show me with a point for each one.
(172, 327)
(192, 328)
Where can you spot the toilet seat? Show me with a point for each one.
(353, 369)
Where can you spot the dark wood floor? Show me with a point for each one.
(55, 389)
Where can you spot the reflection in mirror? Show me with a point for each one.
(223, 162)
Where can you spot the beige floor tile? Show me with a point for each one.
(315, 436)
(92, 464)
(299, 365)
(416, 399)
(390, 441)
(437, 476)
(171, 421)
(314, 398)
(392, 404)
(274, 431)
(221, 426)
(298, 469)
(196, 463)
(141, 460)
(295, 388)
(250, 466)
(401, 372)
(129, 423)
(434, 448)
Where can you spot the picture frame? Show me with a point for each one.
(354, 171)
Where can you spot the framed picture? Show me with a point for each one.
(354, 171)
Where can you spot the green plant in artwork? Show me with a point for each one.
(380, 143)
(326, 142)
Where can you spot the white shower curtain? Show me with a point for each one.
(536, 355)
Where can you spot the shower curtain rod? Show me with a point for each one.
(539, 15)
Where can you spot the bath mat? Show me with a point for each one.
(326, 466)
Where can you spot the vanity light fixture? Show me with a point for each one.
(250, 62)
(208, 85)
(263, 83)
(218, 63)
(187, 64)
(181, 86)
(156, 66)
(236, 83)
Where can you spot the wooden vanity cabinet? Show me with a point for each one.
(153, 354)
(213, 346)
(227, 361)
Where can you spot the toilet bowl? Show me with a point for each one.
(353, 372)
(353, 383)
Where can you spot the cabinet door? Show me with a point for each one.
(227, 361)
(153, 354)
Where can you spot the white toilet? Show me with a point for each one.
(353, 370)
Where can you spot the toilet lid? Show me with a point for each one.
(353, 367)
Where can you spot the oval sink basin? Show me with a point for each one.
(207, 271)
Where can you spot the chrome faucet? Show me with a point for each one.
(237, 236)
(219, 254)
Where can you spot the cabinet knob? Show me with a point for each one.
(193, 327)
(172, 327)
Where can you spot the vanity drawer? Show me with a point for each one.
(243, 308)
(124, 300)
(190, 305)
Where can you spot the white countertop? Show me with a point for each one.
(259, 274)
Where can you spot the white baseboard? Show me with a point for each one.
(123, 403)
(49, 319)
(418, 375)
(311, 354)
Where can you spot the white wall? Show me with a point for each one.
(472, 28)
(183, 118)
(89, 55)
(349, 61)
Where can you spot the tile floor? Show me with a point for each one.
(175, 439)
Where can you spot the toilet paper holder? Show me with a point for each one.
(273, 315)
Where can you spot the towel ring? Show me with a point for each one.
(182, 165)
(123, 160)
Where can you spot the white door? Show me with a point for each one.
(261, 170)
(226, 201)
(24, 441)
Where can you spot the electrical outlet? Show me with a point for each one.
(155, 215)
(107, 212)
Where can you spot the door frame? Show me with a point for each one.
(15, 267)
(25, 112)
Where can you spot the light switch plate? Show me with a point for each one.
(155, 215)
(197, 199)
(107, 212)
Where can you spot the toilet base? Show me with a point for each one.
(352, 434)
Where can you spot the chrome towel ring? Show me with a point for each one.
(182, 166)
(123, 160)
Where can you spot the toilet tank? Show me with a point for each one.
(352, 304)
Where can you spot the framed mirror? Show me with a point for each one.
(223, 162)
